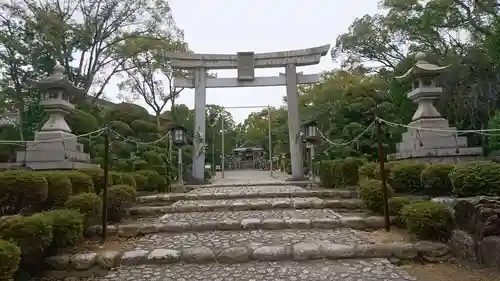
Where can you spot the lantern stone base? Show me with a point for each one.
(434, 146)
(54, 150)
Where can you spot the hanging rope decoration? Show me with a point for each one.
(419, 138)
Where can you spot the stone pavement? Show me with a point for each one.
(322, 269)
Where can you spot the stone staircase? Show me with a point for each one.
(249, 233)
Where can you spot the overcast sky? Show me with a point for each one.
(230, 26)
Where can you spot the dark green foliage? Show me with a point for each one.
(436, 180)
(22, 190)
(80, 182)
(10, 256)
(405, 177)
(88, 204)
(59, 189)
(371, 192)
(428, 220)
(476, 178)
(67, 228)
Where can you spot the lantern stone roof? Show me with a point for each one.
(422, 67)
(57, 81)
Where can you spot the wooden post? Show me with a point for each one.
(381, 160)
(104, 216)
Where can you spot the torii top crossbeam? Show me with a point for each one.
(301, 57)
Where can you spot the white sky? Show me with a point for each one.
(230, 26)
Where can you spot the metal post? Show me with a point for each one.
(104, 216)
(179, 161)
(312, 165)
(214, 170)
(270, 142)
(222, 144)
(381, 160)
(170, 147)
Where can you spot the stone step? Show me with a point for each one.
(249, 204)
(374, 269)
(178, 223)
(252, 193)
(181, 257)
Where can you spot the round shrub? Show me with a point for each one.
(119, 198)
(397, 203)
(127, 112)
(153, 179)
(141, 182)
(129, 180)
(152, 157)
(97, 176)
(207, 174)
(387, 167)
(88, 204)
(428, 220)
(329, 173)
(67, 227)
(115, 178)
(6, 223)
(10, 256)
(121, 128)
(436, 181)
(405, 177)
(80, 182)
(22, 190)
(82, 122)
(371, 192)
(349, 168)
(59, 189)
(367, 170)
(32, 234)
(476, 178)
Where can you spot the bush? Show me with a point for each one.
(129, 180)
(152, 157)
(367, 170)
(10, 256)
(371, 192)
(405, 177)
(119, 198)
(115, 178)
(82, 122)
(32, 234)
(22, 191)
(88, 204)
(329, 173)
(67, 228)
(121, 128)
(59, 189)
(80, 182)
(436, 181)
(207, 174)
(397, 203)
(141, 182)
(428, 220)
(6, 222)
(387, 167)
(97, 176)
(153, 179)
(476, 178)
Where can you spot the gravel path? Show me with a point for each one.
(226, 239)
(349, 270)
(239, 215)
(345, 270)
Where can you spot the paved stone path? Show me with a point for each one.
(346, 270)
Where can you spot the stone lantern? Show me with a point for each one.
(436, 142)
(55, 147)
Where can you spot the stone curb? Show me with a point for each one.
(335, 204)
(279, 183)
(303, 251)
(172, 197)
(140, 229)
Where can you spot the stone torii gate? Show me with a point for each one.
(245, 63)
